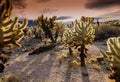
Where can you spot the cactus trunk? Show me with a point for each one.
(82, 55)
(70, 51)
(48, 33)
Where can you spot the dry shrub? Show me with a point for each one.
(106, 31)
(96, 67)
(72, 61)
(92, 59)
(10, 78)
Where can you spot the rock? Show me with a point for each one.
(2, 67)
(101, 60)
(85, 74)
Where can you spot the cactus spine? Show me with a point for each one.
(112, 56)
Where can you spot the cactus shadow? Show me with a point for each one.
(44, 71)
(85, 74)
(68, 74)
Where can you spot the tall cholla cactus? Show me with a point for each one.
(112, 56)
(11, 32)
(81, 34)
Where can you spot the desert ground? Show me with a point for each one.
(45, 67)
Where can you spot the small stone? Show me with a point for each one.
(85, 74)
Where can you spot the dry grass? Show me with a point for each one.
(10, 78)
(96, 67)
(92, 59)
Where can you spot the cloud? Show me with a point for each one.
(63, 17)
(48, 10)
(101, 3)
(43, 1)
(112, 14)
(20, 4)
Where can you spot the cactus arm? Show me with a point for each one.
(23, 26)
(112, 56)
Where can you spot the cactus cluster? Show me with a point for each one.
(11, 32)
(59, 29)
(46, 24)
(34, 31)
(81, 34)
(112, 56)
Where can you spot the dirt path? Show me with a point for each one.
(44, 67)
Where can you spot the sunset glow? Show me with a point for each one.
(31, 9)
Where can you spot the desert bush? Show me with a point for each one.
(10, 78)
(106, 31)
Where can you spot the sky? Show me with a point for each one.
(67, 9)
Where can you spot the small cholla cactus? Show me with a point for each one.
(87, 19)
(35, 31)
(112, 56)
(59, 29)
(46, 24)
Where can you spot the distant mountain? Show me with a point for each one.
(30, 22)
(63, 17)
(68, 22)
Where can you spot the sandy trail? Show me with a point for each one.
(44, 67)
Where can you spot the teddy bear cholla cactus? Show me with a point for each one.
(58, 30)
(81, 34)
(11, 32)
(112, 56)
(46, 25)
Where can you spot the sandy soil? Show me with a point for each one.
(44, 67)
